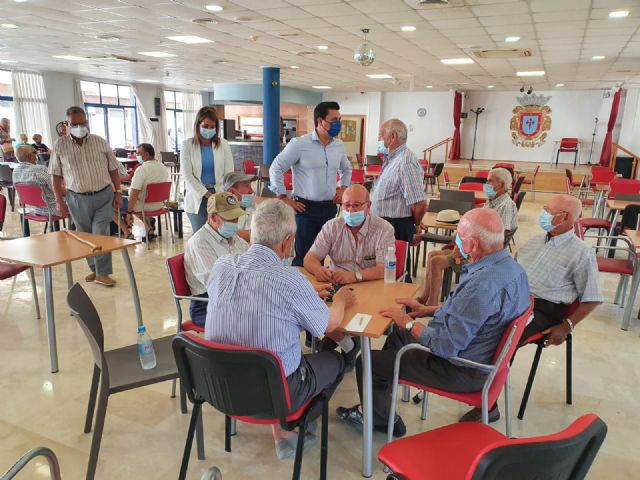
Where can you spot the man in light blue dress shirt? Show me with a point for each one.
(314, 159)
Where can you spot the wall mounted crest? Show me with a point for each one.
(531, 121)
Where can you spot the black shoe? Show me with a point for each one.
(353, 417)
(326, 345)
(307, 339)
(475, 415)
(350, 357)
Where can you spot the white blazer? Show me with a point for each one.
(191, 170)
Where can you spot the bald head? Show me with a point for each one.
(26, 154)
(565, 210)
(356, 199)
(481, 232)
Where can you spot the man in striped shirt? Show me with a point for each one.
(256, 301)
(86, 165)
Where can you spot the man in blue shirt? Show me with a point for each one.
(493, 291)
(314, 159)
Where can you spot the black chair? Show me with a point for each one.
(120, 152)
(6, 181)
(517, 186)
(468, 179)
(373, 160)
(433, 178)
(518, 199)
(169, 159)
(628, 219)
(248, 385)
(43, 159)
(457, 196)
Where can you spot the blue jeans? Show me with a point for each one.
(198, 310)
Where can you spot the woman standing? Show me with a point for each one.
(204, 161)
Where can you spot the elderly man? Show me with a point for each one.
(288, 304)
(87, 166)
(216, 238)
(314, 159)
(239, 184)
(497, 191)
(38, 145)
(561, 269)
(6, 142)
(493, 291)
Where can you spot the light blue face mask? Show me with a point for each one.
(353, 219)
(464, 254)
(488, 190)
(139, 158)
(546, 221)
(208, 133)
(382, 149)
(247, 201)
(228, 229)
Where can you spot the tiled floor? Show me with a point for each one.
(144, 431)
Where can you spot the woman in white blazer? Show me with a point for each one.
(204, 160)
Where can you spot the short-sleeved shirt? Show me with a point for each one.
(151, 171)
(336, 240)
(84, 168)
(37, 175)
(42, 148)
(255, 301)
(400, 185)
(561, 269)
(506, 208)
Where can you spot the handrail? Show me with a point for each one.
(614, 151)
(54, 467)
(430, 149)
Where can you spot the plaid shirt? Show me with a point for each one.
(506, 208)
(37, 175)
(399, 185)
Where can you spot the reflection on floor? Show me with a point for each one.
(145, 431)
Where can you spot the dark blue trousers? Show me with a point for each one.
(198, 310)
(309, 224)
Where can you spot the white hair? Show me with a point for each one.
(572, 205)
(396, 125)
(477, 221)
(486, 238)
(272, 222)
(503, 176)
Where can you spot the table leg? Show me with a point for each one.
(134, 285)
(628, 307)
(179, 224)
(51, 321)
(367, 414)
(612, 230)
(69, 277)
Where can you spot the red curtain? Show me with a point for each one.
(605, 156)
(457, 109)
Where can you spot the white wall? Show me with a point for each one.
(630, 122)
(59, 88)
(356, 103)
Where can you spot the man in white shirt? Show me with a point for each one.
(217, 237)
(239, 184)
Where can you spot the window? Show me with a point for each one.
(174, 114)
(111, 110)
(6, 99)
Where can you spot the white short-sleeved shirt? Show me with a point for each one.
(151, 171)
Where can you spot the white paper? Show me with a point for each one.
(358, 323)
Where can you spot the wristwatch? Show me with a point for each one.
(358, 275)
(409, 325)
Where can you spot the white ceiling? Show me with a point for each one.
(563, 35)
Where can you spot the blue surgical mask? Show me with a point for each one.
(464, 254)
(488, 190)
(353, 219)
(334, 129)
(382, 149)
(208, 133)
(139, 158)
(228, 229)
(285, 262)
(546, 221)
(247, 201)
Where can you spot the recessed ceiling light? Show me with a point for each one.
(457, 61)
(380, 76)
(157, 54)
(619, 14)
(191, 39)
(512, 39)
(530, 73)
(559, 84)
(408, 28)
(7, 61)
(295, 67)
(147, 80)
(322, 47)
(214, 8)
(108, 37)
(428, 86)
(321, 87)
(598, 57)
(20, 1)
(8, 25)
(491, 86)
(209, 80)
(70, 57)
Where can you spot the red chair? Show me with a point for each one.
(473, 451)
(249, 167)
(357, 175)
(602, 174)
(508, 166)
(470, 167)
(623, 185)
(157, 192)
(569, 145)
(246, 384)
(433, 177)
(532, 182)
(471, 187)
(288, 180)
(482, 174)
(497, 378)
(447, 180)
(31, 195)
(359, 160)
(10, 270)
(3, 210)
(402, 254)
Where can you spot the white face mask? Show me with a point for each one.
(79, 131)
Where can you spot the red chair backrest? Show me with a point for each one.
(3, 209)
(288, 180)
(509, 166)
(568, 144)
(569, 185)
(470, 167)
(249, 167)
(602, 174)
(374, 168)
(178, 276)
(482, 174)
(623, 185)
(402, 248)
(535, 170)
(446, 177)
(357, 175)
(359, 159)
(158, 192)
(471, 186)
(30, 194)
(424, 164)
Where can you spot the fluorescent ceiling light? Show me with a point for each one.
(295, 67)
(7, 61)
(457, 61)
(322, 47)
(157, 54)
(147, 80)
(70, 57)
(8, 25)
(214, 8)
(20, 1)
(428, 86)
(408, 28)
(191, 39)
(491, 86)
(512, 39)
(380, 76)
(209, 80)
(559, 84)
(531, 73)
(598, 57)
(321, 87)
(619, 14)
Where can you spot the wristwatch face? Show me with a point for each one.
(358, 276)
(409, 325)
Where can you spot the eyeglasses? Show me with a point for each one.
(354, 206)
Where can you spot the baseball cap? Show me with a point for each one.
(231, 178)
(224, 204)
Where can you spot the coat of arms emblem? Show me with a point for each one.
(531, 121)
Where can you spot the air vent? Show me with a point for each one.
(117, 58)
(302, 54)
(422, 3)
(290, 34)
(503, 53)
(205, 21)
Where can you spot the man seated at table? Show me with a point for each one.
(256, 301)
(38, 145)
(239, 184)
(497, 191)
(30, 172)
(356, 243)
(493, 291)
(218, 237)
(561, 269)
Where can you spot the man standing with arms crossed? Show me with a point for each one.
(88, 168)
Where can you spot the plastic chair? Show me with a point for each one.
(518, 199)
(569, 145)
(120, 152)
(516, 186)
(115, 370)
(482, 174)
(31, 195)
(471, 187)
(508, 166)
(433, 178)
(472, 180)
(357, 175)
(457, 196)
(402, 253)
(497, 378)
(157, 192)
(169, 159)
(532, 182)
(623, 185)
(249, 167)
(473, 451)
(10, 270)
(6, 181)
(288, 181)
(447, 181)
(602, 174)
(248, 385)
(373, 160)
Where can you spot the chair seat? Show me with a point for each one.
(153, 213)
(192, 327)
(43, 218)
(527, 182)
(125, 371)
(587, 201)
(9, 270)
(446, 453)
(291, 418)
(470, 398)
(595, 223)
(432, 237)
(615, 265)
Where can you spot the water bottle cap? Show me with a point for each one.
(142, 329)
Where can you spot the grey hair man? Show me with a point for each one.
(287, 303)
(29, 172)
(497, 191)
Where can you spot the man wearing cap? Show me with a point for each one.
(239, 184)
(216, 238)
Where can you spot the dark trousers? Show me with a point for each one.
(416, 366)
(309, 224)
(317, 372)
(545, 315)
(198, 310)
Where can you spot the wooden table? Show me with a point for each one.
(429, 221)
(480, 195)
(371, 297)
(48, 250)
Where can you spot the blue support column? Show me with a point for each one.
(271, 113)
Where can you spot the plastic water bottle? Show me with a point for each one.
(145, 349)
(390, 265)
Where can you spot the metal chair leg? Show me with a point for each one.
(406, 393)
(324, 441)
(103, 400)
(187, 446)
(173, 388)
(95, 380)
(507, 403)
(200, 436)
(532, 376)
(425, 402)
(569, 368)
(227, 433)
(166, 218)
(34, 290)
(297, 465)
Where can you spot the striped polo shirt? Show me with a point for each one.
(255, 301)
(399, 185)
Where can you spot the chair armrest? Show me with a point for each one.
(417, 346)
(197, 299)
